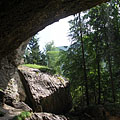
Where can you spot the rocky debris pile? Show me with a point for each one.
(46, 116)
(45, 92)
(9, 112)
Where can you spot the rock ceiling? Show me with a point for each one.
(21, 19)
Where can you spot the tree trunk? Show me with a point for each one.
(111, 76)
(99, 82)
(98, 69)
(84, 63)
(108, 43)
(94, 94)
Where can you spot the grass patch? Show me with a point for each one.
(22, 116)
(44, 69)
(35, 66)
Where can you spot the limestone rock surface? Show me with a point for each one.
(45, 92)
(14, 91)
(9, 78)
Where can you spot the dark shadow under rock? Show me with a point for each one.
(1, 97)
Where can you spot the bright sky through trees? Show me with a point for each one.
(58, 32)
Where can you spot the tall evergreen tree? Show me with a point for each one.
(32, 53)
(95, 53)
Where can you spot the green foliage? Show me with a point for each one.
(49, 57)
(22, 116)
(32, 53)
(52, 56)
(99, 30)
(92, 60)
(50, 46)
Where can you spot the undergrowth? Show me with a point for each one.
(22, 116)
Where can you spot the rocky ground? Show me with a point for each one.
(8, 112)
(41, 91)
(47, 97)
(97, 112)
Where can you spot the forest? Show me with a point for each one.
(91, 62)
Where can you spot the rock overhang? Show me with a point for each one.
(21, 19)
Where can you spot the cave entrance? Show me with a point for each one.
(44, 48)
(90, 58)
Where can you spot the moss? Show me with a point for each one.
(22, 116)
(1, 90)
(61, 79)
(44, 69)
(35, 66)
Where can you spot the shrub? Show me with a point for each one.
(22, 116)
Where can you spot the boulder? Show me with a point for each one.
(45, 92)
(46, 116)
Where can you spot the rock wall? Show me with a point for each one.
(9, 77)
(14, 91)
